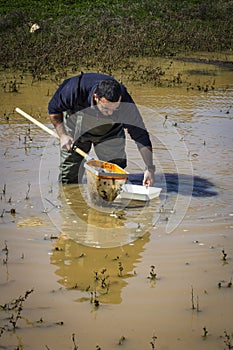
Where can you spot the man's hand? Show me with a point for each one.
(146, 153)
(149, 178)
(66, 141)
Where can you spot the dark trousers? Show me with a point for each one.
(109, 147)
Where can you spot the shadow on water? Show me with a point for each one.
(180, 183)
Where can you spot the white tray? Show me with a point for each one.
(140, 193)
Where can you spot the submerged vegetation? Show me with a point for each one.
(106, 35)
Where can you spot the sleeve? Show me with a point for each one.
(133, 122)
(65, 97)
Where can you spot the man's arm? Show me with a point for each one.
(134, 123)
(65, 98)
(147, 156)
(65, 140)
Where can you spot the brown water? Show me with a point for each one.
(75, 255)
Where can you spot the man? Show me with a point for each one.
(94, 109)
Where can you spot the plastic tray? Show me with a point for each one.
(140, 193)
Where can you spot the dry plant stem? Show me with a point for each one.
(205, 332)
(153, 342)
(6, 251)
(74, 342)
(16, 306)
(224, 257)
(192, 298)
(152, 273)
(228, 340)
(198, 309)
(121, 340)
(4, 190)
(28, 190)
(121, 268)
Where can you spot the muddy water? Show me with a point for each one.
(91, 269)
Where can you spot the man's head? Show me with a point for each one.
(110, 89)
(108, 96)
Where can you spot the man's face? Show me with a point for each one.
(106, 107)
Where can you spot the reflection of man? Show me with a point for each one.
(89, 226)
(104, 271)
(94, 109)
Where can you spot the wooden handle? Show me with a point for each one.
(81, 152)
(49, 131)
(36, 122)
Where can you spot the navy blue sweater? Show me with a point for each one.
(76, 94)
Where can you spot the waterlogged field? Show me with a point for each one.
(144, 275)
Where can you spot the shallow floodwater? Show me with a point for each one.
(144, 275)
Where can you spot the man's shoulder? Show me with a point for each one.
(91, 79)
(95, 76)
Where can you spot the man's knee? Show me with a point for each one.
(71, 168)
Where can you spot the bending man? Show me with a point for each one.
(94, 109)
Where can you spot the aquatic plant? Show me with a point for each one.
(192, 298)
(228, 340)
(225, 284)
(193, 307)
(224, 255)
(165, 119)
(74, 342)
(101, 280)
(6, 251)
(27, 192)
(198, 309)
(94, 299)
(4, 190)
(153, 342)
(121, 340)
(120, 268)
(16, 307)
(205, 332)
(152, 273)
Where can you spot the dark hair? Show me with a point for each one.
(110, 89)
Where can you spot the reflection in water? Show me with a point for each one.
(99, 273)
(102, 227)
(75, 196)
(125, 221)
